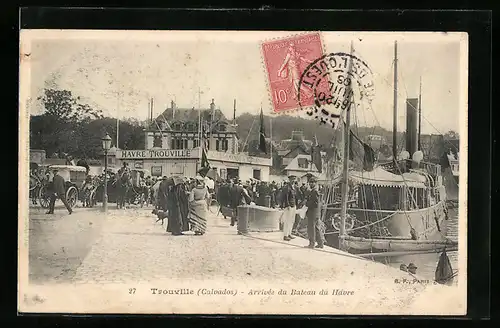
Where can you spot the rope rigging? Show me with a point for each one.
(375, 191)
(416, 109)
(248, 135)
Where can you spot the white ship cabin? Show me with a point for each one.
(381, 189)
(454, 163)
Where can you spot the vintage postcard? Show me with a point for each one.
(243, 172)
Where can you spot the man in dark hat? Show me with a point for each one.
(288, 204)
(239, 196)
(264, 193)
(313, 215)
(161, 197)
(57, 189)
(123, 169)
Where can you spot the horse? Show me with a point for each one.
(123, 185)
(34, 189)
(35, 182)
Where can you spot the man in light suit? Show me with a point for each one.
(288, 204)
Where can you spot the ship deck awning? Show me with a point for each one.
(382, 178)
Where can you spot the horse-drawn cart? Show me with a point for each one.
(74, 177)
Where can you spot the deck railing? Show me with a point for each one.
(405, 165)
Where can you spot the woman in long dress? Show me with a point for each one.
(198, 201)
(178, 207)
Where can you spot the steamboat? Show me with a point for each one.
(386, 209)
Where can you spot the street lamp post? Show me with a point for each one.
(106, 145)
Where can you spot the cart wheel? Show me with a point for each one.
(72, 196)
(44, 197)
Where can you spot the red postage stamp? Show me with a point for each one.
(285, 61)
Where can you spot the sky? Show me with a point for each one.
(119, 71)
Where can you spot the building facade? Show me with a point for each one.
(172, 146)
(179, 129)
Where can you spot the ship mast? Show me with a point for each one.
(395, 112)
(420, 115)
(345, 168)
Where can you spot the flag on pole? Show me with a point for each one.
(262, 139)
(205, 136)
(361, 153)
(205, 165)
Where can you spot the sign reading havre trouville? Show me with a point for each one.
(154, 153)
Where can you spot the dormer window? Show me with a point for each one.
(303, 163)
(177, 126)
(222, 127)
(157, 141)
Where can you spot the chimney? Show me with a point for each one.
(172, 105)
(150, 117)
(152, 108)
(234, 112)
(411, 125)
(212, 105)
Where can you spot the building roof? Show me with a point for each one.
(296, 140)
(187, 119)
(300, 147)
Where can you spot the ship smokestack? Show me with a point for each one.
(411, 125)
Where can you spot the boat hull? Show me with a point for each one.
(429, 225)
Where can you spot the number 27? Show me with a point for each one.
(131, 290)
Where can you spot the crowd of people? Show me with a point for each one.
(288, 196)
(185, 202)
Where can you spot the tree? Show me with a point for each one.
(60, 128)
(62, 105)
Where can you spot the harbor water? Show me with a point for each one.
(427, 263)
